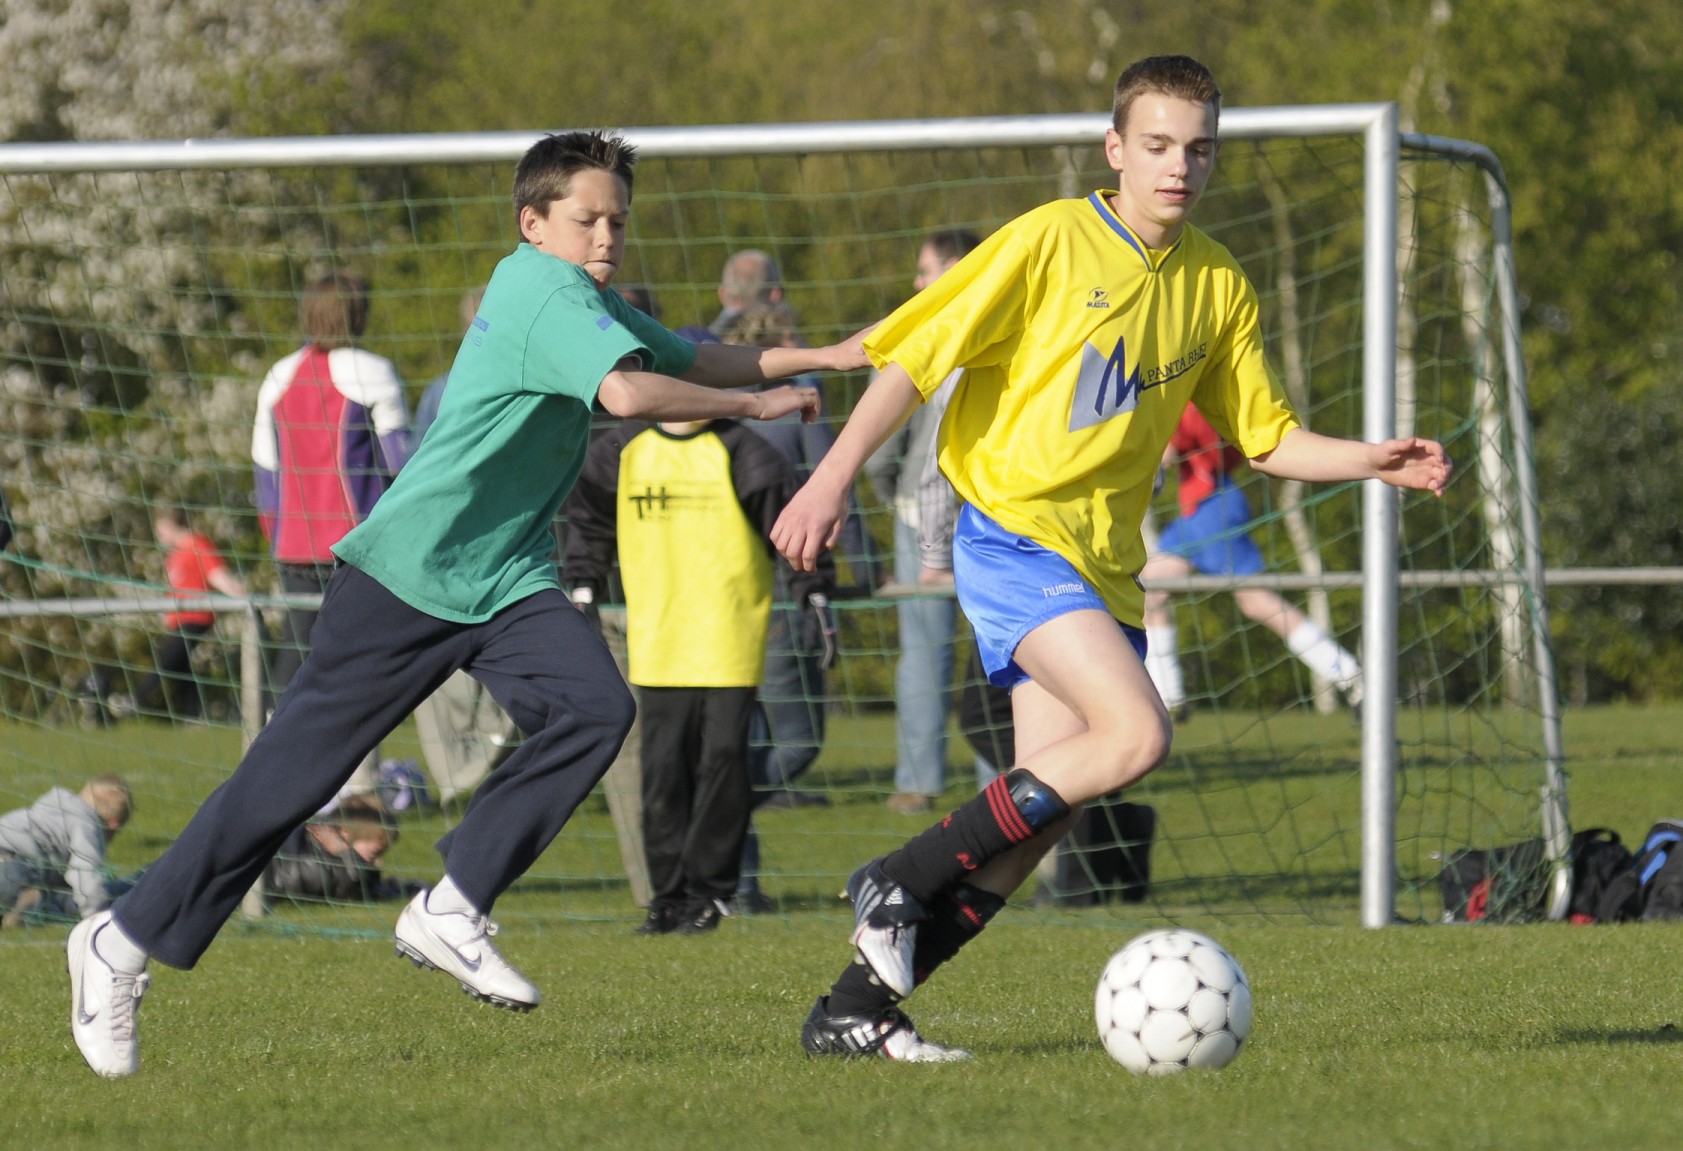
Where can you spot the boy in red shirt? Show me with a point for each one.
(193, 567)
(1212, 536)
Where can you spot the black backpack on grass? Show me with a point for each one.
(1652, 886)
(1600, 864)
(1106, 855)
(1511, 884)
(1496, 885)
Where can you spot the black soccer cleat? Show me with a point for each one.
(887, 1033)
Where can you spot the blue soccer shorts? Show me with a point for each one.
(1009, 585)
(1216, 539)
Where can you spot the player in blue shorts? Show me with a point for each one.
(1084, 327)
(1212, 535)
(453, 570)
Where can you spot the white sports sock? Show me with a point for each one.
(1326, 659)
(114, 946)
(1162, 663)
(447, 898)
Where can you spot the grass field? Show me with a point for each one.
(1540, 1036)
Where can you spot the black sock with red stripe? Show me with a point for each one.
(955, 918)
(1007, 812)
(958, 916)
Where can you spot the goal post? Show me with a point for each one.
(150, 284)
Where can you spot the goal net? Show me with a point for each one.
(148, 288)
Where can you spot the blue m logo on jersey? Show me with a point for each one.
(1105, 387)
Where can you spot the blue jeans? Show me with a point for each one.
(921, 677)
(787, 729)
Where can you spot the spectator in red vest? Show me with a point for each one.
(332, 430)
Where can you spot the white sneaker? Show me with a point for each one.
(103, 1002)
(460, 945)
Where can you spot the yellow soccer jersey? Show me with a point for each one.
(697, 576)
(1081, 347)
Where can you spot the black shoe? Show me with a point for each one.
(701, 917)
(887, 1033)
(662, 920)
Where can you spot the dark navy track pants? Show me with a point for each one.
(373, 659)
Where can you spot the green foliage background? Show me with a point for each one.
(1580, 99)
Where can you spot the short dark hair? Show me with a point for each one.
(548, 167)
(334, 312)
(950, 244)
(1179, 76)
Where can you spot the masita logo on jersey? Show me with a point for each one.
(1106, 388)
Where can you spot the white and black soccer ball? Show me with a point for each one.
(1170, 1000)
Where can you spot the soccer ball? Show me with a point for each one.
(1170, 1000)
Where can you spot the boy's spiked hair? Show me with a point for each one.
(1179, 76)
(549, 166)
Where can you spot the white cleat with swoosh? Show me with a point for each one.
(103, 1002)
(460, 946)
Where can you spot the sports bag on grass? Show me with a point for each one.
(1600, 861)
(1106, 855)
(1496, 885)
(1652, 887)
(1511, 884)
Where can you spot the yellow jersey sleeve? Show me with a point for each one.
(972, 317)
(1240, 395)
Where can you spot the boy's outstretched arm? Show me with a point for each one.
(813, 519)
(733, 365)
(647, 396)
(1406, 463)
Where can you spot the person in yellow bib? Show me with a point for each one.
(688, 508)
(1084, 328)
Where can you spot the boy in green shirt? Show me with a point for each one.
(453, 570)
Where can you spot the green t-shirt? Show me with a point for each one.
(464, 530)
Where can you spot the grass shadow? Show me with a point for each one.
(1665, 1033)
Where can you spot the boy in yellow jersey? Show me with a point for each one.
(1085, 327)
(689, 509)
